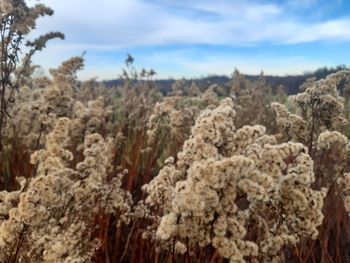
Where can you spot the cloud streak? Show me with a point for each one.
(145, 23)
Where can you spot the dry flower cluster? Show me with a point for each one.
(202, 174)
(51, 216)
(239, 194)
(173, 117)
(227, 184)
(251, 100)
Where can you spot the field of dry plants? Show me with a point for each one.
(236, 173)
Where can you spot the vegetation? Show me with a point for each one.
(234, 172)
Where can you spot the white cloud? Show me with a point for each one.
(110, 23)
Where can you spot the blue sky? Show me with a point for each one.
(194, 38)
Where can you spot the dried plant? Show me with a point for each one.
(17, 20)
(51, 218)
(228, 185)
(252, 100)
(317, 122)
(319, 108)
(91, 173)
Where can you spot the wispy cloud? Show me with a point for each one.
(140, 22)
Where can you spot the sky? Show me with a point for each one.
(195, 38)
